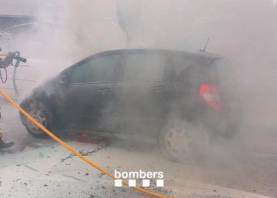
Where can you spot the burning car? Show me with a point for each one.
(178, 99)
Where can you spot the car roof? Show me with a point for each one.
(169, 52)
(163, 52)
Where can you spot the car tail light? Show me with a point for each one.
(209, 93)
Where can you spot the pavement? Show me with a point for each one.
(36, 168)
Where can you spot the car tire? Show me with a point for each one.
(41, 113)
(181, 141)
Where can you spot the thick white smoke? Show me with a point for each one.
(243, 31)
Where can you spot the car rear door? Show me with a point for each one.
(141, 93)
(92, 85)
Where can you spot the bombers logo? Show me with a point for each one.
(143, 177)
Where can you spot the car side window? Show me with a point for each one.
(143, 67)
(102, 68)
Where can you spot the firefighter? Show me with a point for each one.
(2, 143)
(6, 60)
(5, 144)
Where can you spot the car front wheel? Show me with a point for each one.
(41, 113)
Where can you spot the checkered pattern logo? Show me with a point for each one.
(143, 183)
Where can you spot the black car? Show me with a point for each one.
(179, 99)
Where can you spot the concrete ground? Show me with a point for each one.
(34, 168)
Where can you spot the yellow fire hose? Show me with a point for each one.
(74, 151)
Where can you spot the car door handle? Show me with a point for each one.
(157, 88)
(103, 90)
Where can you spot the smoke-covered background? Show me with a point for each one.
(244, 31)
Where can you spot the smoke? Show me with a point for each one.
(67, 31)
(245, 32)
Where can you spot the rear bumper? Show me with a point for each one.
(221, 123)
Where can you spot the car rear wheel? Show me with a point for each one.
(182, 141)
(41, 113)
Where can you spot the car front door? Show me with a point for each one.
(91, 88)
